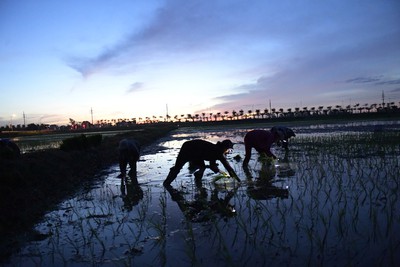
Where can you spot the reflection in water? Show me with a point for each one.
(201, 209)
(131, 192)
(285, 169)
(262, 187)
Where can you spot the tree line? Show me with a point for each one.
(273, 113)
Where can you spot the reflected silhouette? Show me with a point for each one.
(201, 209)
(262, 187)
(131, 192)
(284, 169)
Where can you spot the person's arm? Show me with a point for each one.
(269, 153)
(228, 167)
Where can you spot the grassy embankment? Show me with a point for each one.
(36, 182)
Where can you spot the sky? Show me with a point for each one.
(140, 58)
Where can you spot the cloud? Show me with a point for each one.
(308, 49)
(389, 82)
(377, 80)
(364, 79)
(191, 28)
(137, 86)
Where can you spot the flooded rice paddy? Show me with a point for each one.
(34, 143)
(332, 200)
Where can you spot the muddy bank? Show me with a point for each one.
(36, 182)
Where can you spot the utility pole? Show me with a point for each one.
(383, 98)
(270, 106)
(23, 115)
(91, 113)
(166, 105)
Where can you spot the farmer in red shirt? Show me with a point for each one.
(262, 141)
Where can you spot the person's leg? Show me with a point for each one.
(248, 154)
(132, 165)
(123, 162)
(214, 166)
(199, 174)
(173, 172)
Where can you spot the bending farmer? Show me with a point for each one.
(262, 141)
(196, 152)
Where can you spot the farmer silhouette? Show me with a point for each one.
(196, 152)
(261, 141)
(284, 134)
(129, 153)
(9, 149)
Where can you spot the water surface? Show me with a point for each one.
(313, 206)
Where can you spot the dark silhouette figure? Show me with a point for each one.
(261, 141)
(129, 152)
(202, 209)
(9, 149)
(284, 134)
(196, 152)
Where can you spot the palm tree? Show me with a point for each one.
(356, 106)
(305, 111)
(241, 112)
(297, 111)
(234, 114)
(190, 117)
(328, 109)
(249, 112)
(289, 112)
(226, 114)
(273, 112)
(281, 112)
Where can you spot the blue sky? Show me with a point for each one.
(129, 59)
